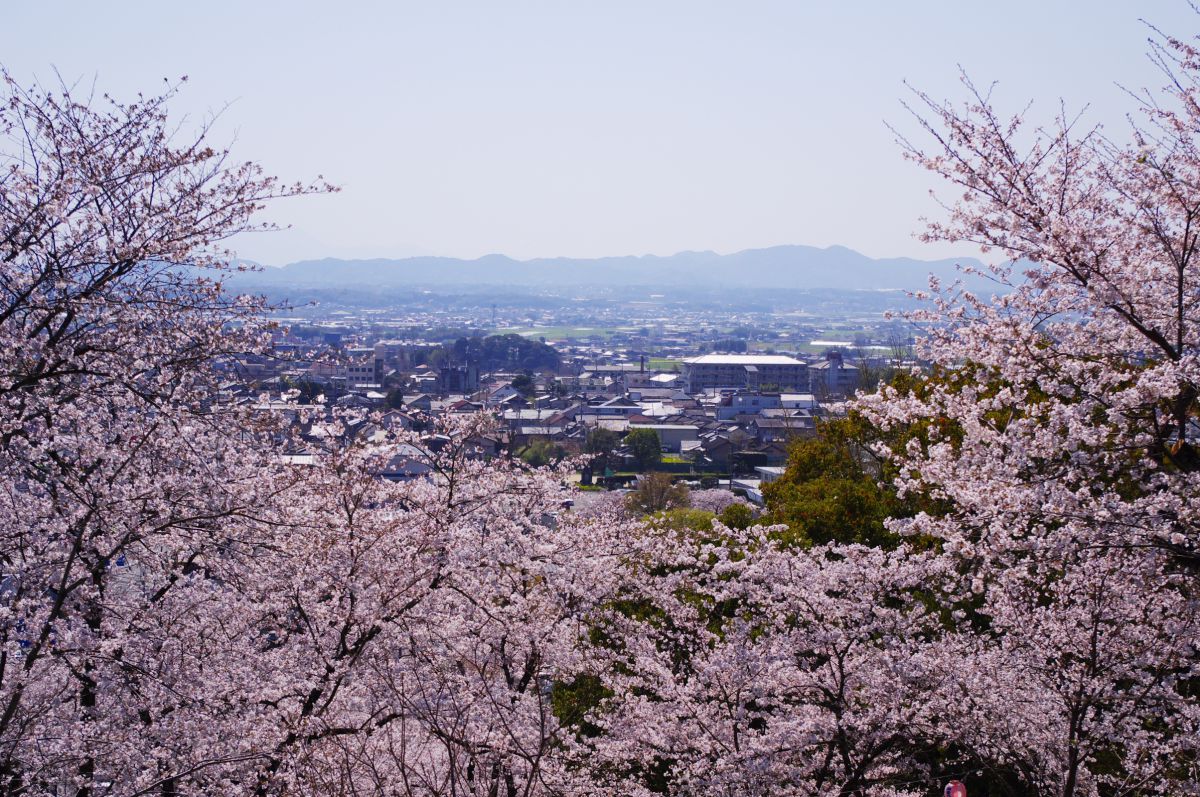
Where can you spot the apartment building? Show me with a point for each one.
(754, 372)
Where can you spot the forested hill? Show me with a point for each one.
(778, 267)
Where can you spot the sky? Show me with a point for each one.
(585, 129)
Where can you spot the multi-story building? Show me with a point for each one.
(834, 376)
(458, 378)
(753, 372)
(361, 370)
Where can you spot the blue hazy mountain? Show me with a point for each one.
(794, 267)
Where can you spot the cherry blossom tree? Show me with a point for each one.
(181, 610)
(1080, 684)
(1038, 629)
(1059, 431)
(714, 500)
(449, 616)
(116, 468)
(755, 669)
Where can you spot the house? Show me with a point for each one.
(524, 435)
(515, 418)
(658, 394)
(501, 394)
(746, 403)
(769, 430)
(671, 436)
(770, 473)
(486, 446)
(775, 453)
(354, 401)
(407, 464)
(618, 406)
(717, 450)
(799, 401)
(422, 403)
(396, 420)
(618, 425)
(596, 383)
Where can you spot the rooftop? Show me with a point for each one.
(743, 359)
(683, 426)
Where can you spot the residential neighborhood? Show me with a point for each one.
(717, 418)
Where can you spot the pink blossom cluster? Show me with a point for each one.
(714, 500)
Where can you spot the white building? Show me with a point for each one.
(755, 372)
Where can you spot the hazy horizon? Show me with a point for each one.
(612, 256)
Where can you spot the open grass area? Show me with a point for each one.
(663, 364)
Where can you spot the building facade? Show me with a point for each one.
(754, 372)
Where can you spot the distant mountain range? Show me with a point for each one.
(792, 267)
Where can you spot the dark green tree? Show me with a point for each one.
(834, 488)
(600, 444)
(525, 384)
(542, 452)
(729, 344)
(646, 448)
(737, 516)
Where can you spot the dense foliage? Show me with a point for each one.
(509, 351)
(835, 488)
(645, 447)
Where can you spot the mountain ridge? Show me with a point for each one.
(785, 266)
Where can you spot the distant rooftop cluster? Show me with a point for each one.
(718, 415)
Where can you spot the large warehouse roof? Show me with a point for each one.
(743, 359)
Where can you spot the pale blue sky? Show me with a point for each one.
(586, 129)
